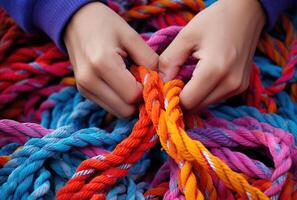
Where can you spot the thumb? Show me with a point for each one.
(139, 51)
(174, 57)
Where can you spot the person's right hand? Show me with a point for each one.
(97, 40)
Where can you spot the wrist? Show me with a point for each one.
(249, 9)
(81, 17)
(52, 17)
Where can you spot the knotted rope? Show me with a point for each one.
(67, 147)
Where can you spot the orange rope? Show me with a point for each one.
(4, 160)
(160, 6)
(157, 192)
(161, 105)
(112, 166)
(185, 151)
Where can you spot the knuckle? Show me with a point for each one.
(221, 69)
(81, 91)
(232, 55)
(130, 99)
(82, 79)
(153, 60)
(185, 35)
(187, 103)
(125, 113)
(131, 35)
(225, 62)
(218, 67)
(244, 87)
(165, 62)
(234, 83)
(97, 60)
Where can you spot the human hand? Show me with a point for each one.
(223, 38)
(97, 40)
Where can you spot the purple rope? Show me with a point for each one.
(248, 132)
(173, 192)
(161, 175)
(223, 192)
(162, 38)
(242, 163)
(13, 131)
(20, 132)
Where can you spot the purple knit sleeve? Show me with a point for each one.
(48, 16)
(273, 8)
(51, 16)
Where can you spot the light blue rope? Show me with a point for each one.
(57, 149)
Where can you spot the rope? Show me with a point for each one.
(55, 143)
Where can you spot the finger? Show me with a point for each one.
(219, 94)
(205, 78)
(139, 51)
(112, 69)
(103, 93)
(223, 92)
(174, 56)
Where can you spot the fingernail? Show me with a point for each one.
(163, 77)
(139, 86)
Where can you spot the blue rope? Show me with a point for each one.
(56, 149)
(8, 149)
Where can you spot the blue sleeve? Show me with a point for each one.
(273, 8)
(48, 16)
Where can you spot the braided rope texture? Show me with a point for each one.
(55, 144)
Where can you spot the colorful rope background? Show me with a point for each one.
(54, 143)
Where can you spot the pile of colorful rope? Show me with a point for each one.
(54, 143)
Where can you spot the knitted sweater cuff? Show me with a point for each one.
(52, 17)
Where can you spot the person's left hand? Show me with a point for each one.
(223, 37)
